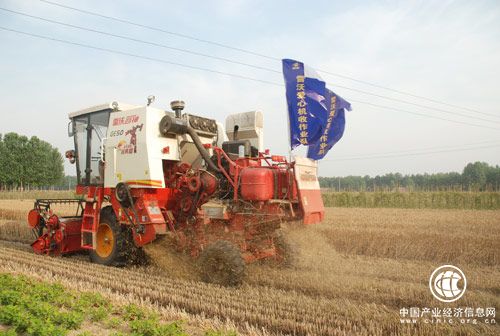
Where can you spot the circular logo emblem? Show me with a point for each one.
(447, 283)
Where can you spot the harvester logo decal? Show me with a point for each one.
(125, 120)
(307, 175)
(131, 146)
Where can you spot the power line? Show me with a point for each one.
(407, 93)
(412, 154)
(138, 56)
(420, 114)
(221, 73)
(234, 62)
(416, 104)
(262, 81)
(458, 146)
(123, 37)
(160, 30)
(250, 52)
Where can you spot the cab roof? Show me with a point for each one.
(114, 106)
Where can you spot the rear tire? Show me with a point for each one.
(221, 263)
(111, 240)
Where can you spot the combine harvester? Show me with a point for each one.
(144, 173)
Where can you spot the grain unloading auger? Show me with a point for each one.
(143, 173)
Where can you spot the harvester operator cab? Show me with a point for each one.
(89, 132)
(120, 143)
(89, 129)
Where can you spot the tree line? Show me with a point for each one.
(477, 176)
(31, 163)
(28, 163)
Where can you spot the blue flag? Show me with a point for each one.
(316, 114)
(333, 128)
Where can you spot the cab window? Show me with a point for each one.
(90, 131)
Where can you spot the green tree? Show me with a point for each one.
(474, 175)
(28, 162)
(12, 160)
(56, 169)
(3, 171)
(493, 178)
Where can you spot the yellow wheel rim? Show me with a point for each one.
(105, 240)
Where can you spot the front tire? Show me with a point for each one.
(221, 263)
(111, 240)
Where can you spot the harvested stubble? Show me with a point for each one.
(463, 236)
(266, 307)
(126, 308)
(393, 282)
(163, 255)
(342, 284)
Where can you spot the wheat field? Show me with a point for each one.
(414, 200)
(353, 274)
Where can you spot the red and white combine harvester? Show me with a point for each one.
(144, 173)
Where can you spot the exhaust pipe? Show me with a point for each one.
(203, 151)
(235, 132)
(177, 106)
(169, 125)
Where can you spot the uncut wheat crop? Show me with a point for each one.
(13, 218)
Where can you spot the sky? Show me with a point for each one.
(447, 51)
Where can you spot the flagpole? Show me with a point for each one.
(289, 136)
(288, 129)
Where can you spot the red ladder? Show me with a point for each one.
(90, 219)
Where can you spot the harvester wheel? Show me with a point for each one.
(221, 263)
(111, 244)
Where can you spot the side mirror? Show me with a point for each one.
(70, 129)
(70, 155)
